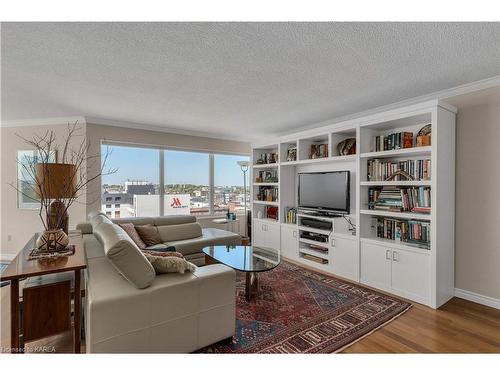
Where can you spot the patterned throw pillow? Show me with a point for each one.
(149, 234)
(163, 253)
(169, 263)
(132, 233)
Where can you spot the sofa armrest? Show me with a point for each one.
(85, 228)
(217, 287)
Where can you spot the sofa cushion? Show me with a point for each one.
(209, 237)
(169, 262)
(132, 233)
(179, 232)
(160, 247)
(173, 220)
(125, 256)
(98, 219)
(149, 234)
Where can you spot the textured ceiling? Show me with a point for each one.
(234, 78)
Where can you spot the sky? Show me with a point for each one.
(180, 167)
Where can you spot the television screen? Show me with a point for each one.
(328, 191)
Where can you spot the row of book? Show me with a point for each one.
(267, 176)
(410, 231)
(380, 169)
(290, 215)
(392, 198)
(394, 141)
(267, 193)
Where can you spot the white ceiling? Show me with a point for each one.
(234, 79)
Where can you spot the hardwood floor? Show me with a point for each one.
(457, 327)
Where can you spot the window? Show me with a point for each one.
(194, 183)
(135, 184)
(229, 192)
(187, 185)
(108, 213)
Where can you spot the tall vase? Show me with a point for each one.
(52, 240)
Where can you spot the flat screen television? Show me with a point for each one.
(325, 191)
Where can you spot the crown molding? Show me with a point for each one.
(42, 121)
(441, 96)
(164, 129)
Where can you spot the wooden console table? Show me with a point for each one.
(21, 268)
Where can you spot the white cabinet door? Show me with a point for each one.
(344, 258)
(259, 233)
(376, 265)
(272, 237)
(411, 274)
(289, 242)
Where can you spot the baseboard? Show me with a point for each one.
(478, 298)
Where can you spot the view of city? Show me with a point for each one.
(127, 193)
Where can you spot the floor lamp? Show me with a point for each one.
(244, 165)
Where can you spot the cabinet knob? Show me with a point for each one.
(388, 254)
(294, 234)
(395, 256)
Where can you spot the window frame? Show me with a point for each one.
(161, 173)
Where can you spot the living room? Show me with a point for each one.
(250, 188)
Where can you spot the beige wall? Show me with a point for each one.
(98, 133)
(477, 222)
(19, 224)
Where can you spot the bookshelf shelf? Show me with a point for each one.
(400, 215)
(395, 183)
(318, 254)
(260, 166)
(395, 244)
(415, 151)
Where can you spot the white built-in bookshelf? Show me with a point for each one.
(407, 252)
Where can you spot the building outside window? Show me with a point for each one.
(186, 182)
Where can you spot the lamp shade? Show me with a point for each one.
(56, 180)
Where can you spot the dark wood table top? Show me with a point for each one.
(21, 267)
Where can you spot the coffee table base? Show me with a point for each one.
(251, 285)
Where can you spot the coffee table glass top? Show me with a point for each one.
(245, 258)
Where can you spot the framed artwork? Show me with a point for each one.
(26, 196)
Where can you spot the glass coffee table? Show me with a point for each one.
(248, 259)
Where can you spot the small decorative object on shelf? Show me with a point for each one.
(347, 147)
(399, 173)
(291, 154)
(268, 158)
(268, 194)
(319, 151)
(424, 136)
(272, 212)
(267, 176)
(291, 215)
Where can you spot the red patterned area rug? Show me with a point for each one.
(302, 311)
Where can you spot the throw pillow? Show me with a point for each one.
(163, 254)
(132, 233)
(149, 234)
(169, 263)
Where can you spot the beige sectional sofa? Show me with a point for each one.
(129, 309)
